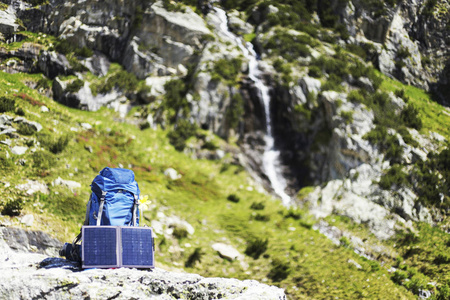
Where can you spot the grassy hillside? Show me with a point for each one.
(297, 258)
(217, 197)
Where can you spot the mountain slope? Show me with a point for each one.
(185, 115)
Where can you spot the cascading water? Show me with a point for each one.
(271, 157)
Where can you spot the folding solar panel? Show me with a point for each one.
(117, 246)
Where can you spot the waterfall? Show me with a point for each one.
(271, 156)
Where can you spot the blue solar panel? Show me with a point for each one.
(137, 247)
(99, 246)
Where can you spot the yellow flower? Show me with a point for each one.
(144, 202)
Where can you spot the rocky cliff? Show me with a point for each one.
(28, 275)
(411, 38)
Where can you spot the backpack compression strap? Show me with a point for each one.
(100, 210)
(136, 203)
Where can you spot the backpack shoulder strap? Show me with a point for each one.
(100, 210)
(136, 203)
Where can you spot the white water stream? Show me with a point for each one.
(271, 156)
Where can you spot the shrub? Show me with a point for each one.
(407, 137)
(53, 144)
(75, 86)
(394, 175)
(355, 97)
(256, 247)
(25, 129)
(333, 65)
(235, 110)
(403, 52)
(175, 98)
(7, 104)
(289, 46)
(416, 284)
(43, 160)
(306, 224)
(66, 47)
(233, 198)
(280, 270)
(410, 116)
(443, 292)
(374, 265)
(227, 69)
(85, 52)
(180, 233)
(6, 164)
(400, 93)
(441, 259)
(345, 242)
(356, 49)
(434, 176)
(121, 80)
(262, 217)
(13, 207)
(20, 111)
(314, 71)
(258, 205)
(304, 111)
(294, 214)
(333, 83)
(399, 276)
(144, 125)
(347, 116)
(182, 132)
(195, 256)
(387, 143)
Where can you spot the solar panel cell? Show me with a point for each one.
(115, 246)
(100, 246)
(137, 247)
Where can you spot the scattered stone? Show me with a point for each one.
(68, 183)
(220, 153)
(5, 223)
(44, 109)
(351, 261)
(172, 174)
(365, 83)
(6, 142)
(8, 131)
(27, 220)
(19, 150)
(33, 186)
(34, 125)
(226, 251)
(88, 148)
(310, 85)
(86, 126)
(182, 70)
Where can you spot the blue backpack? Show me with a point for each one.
(114, 199)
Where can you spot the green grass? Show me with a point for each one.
(431, 113)
(297, 258)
